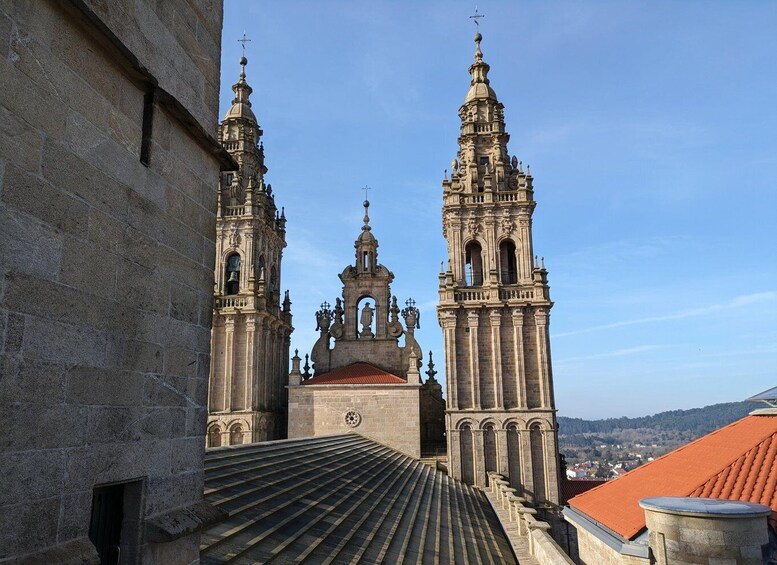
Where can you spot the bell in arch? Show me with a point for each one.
(232, 277)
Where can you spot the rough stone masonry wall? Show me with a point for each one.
(389, 413)
(106, 265)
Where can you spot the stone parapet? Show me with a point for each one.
(529, 536)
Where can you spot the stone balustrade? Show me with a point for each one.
(524, 530)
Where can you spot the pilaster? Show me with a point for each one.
(495, 317)
(474, 358)
(520, 367)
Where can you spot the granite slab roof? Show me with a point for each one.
(356, 373)
(736, 462)
(343, 499)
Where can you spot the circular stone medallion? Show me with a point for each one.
(352, 418)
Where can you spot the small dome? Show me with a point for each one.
(240, 110)
(480, 90)
(365, 237)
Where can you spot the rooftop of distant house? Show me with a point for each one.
(736, 462)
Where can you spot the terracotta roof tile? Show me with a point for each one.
(736, 462)
(356, 373)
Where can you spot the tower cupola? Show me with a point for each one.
(366, 246)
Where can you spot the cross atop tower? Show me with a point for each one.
(476, 16)
(365, 188)
(245, 40)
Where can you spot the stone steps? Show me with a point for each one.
(343, 499)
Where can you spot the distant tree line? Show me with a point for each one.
(698, 421)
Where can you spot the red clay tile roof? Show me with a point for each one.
(355, 374)
(736, 462)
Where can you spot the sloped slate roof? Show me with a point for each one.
(355, 374)
(343, 499)
(736, 462)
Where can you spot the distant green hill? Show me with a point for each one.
(698, 421)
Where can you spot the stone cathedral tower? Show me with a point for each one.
(494, 306)
(247, 399)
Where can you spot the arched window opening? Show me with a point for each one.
(537, 464)
(273, 278)
(474, 264)
(507, 264)
(236, 435)
(214, 437)
(467, 455)
(489, 447)
(232, 285)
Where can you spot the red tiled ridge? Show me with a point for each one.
(355, 374)
(736, 462)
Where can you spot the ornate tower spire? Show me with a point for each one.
(494, 306)
(366, 246)
(251, 327)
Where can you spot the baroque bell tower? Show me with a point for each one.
(247, 399)
(494, 308)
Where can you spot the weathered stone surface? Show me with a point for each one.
(178, 523)
(96, 362)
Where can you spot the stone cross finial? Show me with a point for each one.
(476, 16)
(245, 40)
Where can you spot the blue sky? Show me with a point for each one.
(651, 131)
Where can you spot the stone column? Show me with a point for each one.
(449, 333)
(527, 474)
(474, 363)
(705, 530)
(454, 453)
(502, 461)
(526, 248)
(541, 321)
(249, 362)
(229, 361)
(479, 452)
(550, 451)
(257, 378)
(495, 317)
(456, 252)
(520, 368)
(266, 402)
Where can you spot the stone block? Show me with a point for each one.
(110, 424)
(28, 526)
(165, 390)
(27, 246)
(75, 513)
(53, 341)
(29, 381)
(103, 387)
(184, 304)
(81, 178)
(187, 453)
(196, 419)
(88, 268)
(34, 196)
(173, 491)
(142, 288)
(180, 362)
(54, 427)
(19, 142)
(135, 355)
(36, 475)
(14, 333)
(163, 423)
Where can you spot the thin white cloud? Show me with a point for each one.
(617, 353)
(736, 302)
